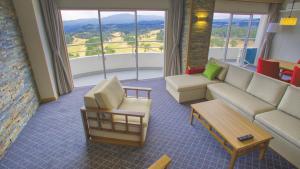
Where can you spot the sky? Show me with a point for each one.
(85, 14)
(227, 15)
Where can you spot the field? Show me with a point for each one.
(117, 43)
(233, 42)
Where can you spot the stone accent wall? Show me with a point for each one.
(185, 33)
(196, 35)
(18, 95)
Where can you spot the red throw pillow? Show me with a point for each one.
(259, 65)
(194, 70)
(295, 80)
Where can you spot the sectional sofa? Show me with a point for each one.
(272, 104)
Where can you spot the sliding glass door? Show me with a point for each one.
(150, 42)
(236, 37)
(219, 35)
(82, 36)
(106, 43)
(119, 43)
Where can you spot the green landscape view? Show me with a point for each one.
(118, 34)
(117, 42)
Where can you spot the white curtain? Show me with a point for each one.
(55, 32)
(173, 58)
(273, 16)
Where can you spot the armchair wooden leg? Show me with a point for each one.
(191, 117)
(85, 127)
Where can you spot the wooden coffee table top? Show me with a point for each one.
(230, 124)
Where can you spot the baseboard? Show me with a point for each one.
(46, 100)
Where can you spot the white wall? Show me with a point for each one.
(90, 64)
(31, 23)
(286, 43)
(113, 4)
(241, 7)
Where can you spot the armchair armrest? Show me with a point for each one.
(115, 111)
(137, 89)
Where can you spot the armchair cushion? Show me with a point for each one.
(136, 105)
(89, 97)
(110, 95)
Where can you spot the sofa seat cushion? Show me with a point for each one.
(110, 95)
(266, 88)
(241, 99)
(136, 105)
(281, 123)
(238, 77)
(181, 83)
(290, 102)
(89, 98)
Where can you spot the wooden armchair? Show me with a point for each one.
(110, 115)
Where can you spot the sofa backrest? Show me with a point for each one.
(225, 67)
(238, 77)
(110, 95)
(290, 102)
(268, 89)
(89, 97)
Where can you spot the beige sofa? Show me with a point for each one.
(186, 88)
(270, 103)
(111, 116)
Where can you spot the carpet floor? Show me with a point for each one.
(54, 138)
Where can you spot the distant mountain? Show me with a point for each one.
(113, 19)
(114, 22)
(235, 21)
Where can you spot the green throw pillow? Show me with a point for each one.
(211, 71)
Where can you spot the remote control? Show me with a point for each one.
(245, 137)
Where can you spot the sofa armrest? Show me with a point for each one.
(137, 89)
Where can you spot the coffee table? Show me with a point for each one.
(225, 125)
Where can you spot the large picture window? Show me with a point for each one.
(234, 35)
(104, 43)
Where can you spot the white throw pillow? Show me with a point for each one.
(110, 96)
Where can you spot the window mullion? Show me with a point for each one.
(228, 36)
(101, 41)
(136, 45)
(246, 39)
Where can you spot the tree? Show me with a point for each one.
(109, 50)
(160, 35)
(69, 38)
(233, 43)
(92, 46)
(161, 48)
(217, 42)
(130, 40)
(146, 46)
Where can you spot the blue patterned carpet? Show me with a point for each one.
(54, 138)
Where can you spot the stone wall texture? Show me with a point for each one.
(196, 35)
(18, 95)
(185, 33)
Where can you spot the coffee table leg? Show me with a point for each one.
(234, 156)
(192, 116)
(263, 149)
